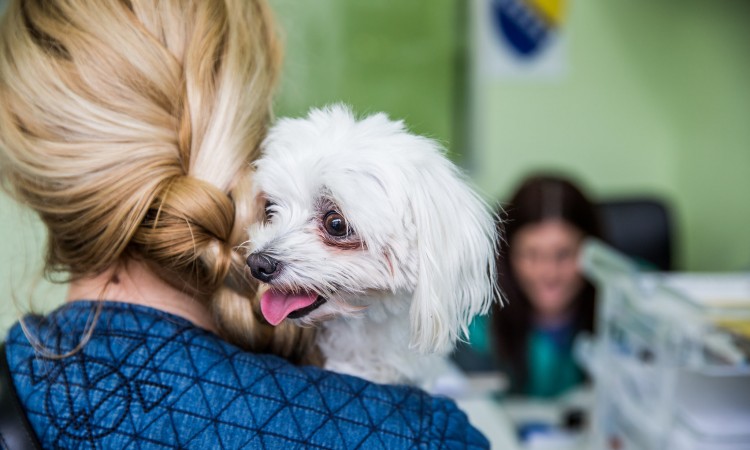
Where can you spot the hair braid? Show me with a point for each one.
(129, 126)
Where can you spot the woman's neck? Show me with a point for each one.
(552, 321)
(134, 283)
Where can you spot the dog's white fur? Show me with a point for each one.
(425, 264)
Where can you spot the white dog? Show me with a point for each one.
(372, 235)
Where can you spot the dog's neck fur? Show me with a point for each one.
(376, 345)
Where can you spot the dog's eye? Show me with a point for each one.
(335, 224)
(269, 209)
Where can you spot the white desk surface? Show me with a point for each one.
(487, 415)
(497, 419)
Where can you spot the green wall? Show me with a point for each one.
(21, 250)
(656, 101)
(710, 98)
(376, 55)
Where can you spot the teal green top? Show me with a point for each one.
(551, 367)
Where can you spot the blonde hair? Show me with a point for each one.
(129, 127)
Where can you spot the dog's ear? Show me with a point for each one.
(457, 242)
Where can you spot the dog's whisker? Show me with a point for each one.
(243, 246)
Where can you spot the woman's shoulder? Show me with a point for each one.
(148, 377)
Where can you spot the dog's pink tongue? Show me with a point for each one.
(275, 306)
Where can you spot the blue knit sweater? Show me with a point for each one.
(148, 379)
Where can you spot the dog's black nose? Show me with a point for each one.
(262, 266)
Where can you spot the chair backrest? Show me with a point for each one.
(641, 228)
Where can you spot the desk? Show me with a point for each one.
(498, 419)
(487, 415)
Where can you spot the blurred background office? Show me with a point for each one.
(633, 99)
(647, 98)
(644, 104)
(643, 99)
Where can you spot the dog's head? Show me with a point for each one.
(359, 210)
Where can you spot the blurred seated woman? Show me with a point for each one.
(549, 301)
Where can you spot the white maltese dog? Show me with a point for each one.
(373, 236)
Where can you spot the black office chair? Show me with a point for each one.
(640, 228)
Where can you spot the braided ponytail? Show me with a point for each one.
(129, 126)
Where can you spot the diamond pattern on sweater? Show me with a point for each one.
(147, 379)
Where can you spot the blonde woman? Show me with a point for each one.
(129, 126)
